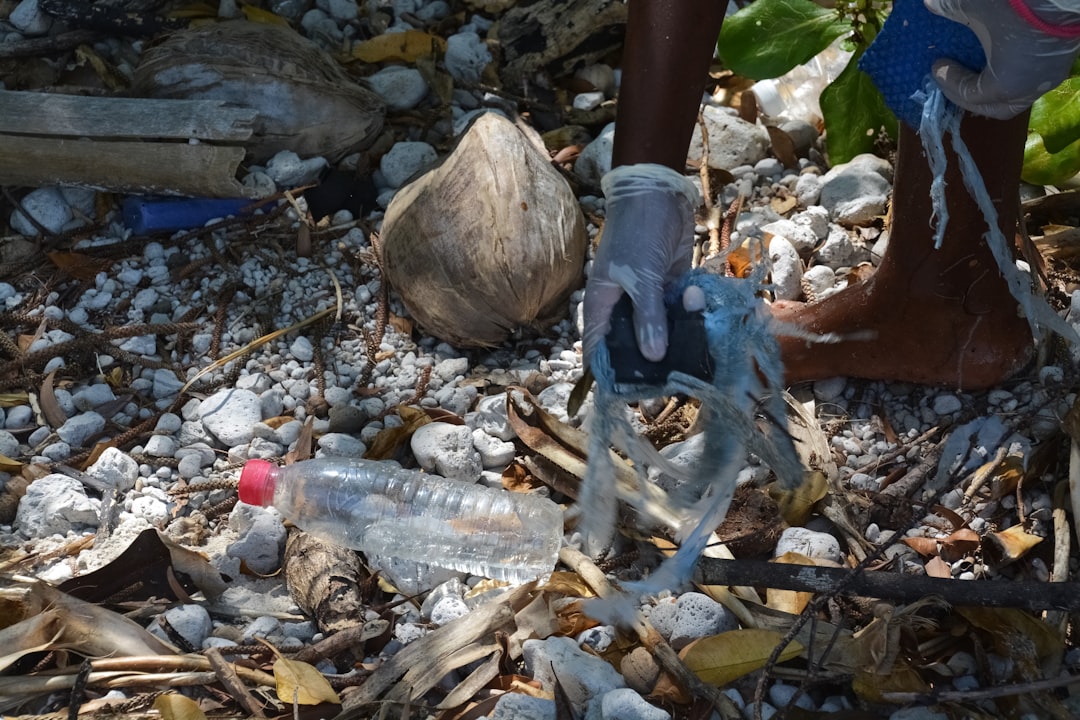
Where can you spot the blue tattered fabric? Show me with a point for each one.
(747, 381)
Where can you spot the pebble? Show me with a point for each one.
(341, 445)
(78, 430)
(55, 505)
(287, 170)
(229, 415)
(518, 706)
(814, 545)
(854, 194)
(495, 454)
(405, 160)
(403, 88)
(559, 658)
(191, 622)
(786, 269)
(448, 450)
(466, 57)
(262, 538)
(625, 704)
(696, 616)
(595, 159)
(947, 404)
(29, 19)
(732, 140)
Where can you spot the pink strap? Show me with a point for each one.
(1068, 32)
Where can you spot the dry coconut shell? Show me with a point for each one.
(489, 240)
(305, 101)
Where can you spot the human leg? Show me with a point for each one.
(941, 316)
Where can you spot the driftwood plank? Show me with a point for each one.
(124, 166)
(32, 113)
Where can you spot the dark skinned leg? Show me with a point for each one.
(669, 45)
(936, 316)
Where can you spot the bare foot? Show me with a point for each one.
(929, 340)
(936, 316)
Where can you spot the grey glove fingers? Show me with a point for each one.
(970, 91)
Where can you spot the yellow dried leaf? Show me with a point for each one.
(719, 659)
(11, 399)
(567, 583)
(1014, 543)
(259, 15)
(796, 505)
(9, 465)
(790, 601)
(174, 706)
(301, 683)
(1007, 476)
(408, 46)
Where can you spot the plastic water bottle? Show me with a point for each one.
(383, 509)
(796, 95)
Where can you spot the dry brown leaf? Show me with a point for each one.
(1013, 543)
(278, 420)
(784, 205)
(1007, 476)
(408, 46)
(174, 706)
(903, 678)
(783, 147)
(720, 659)
(389, 440)
(960, 543)
(938, 568)
(301, 683)
(567, 583)
(50, 407)
(927, 547)
(11, 399)
(667, 690)
(78, 265)
(302, 449)
(571, 619)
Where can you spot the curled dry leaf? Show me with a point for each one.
(1012, 543)
(960, 543)
(790, 601)
(927, 547)
(938, 568)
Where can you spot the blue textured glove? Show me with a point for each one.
(1030, 46)
(647, 241)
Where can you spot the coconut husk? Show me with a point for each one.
(305, 101)
(489, 240)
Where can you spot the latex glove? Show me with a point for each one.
(647, 241)
(1029, 50)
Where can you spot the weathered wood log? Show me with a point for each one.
(123, 144)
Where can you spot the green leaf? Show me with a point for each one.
(1044, 168)
(720, 659)
(769, 37)
(855, 112)
(1056, 116)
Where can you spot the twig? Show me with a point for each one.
(226, 674)
(890, 586)
(999, 691)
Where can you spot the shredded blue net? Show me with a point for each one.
(748, 381)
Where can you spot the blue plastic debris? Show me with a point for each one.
(747, 379)
(904, 52)
(145, 215)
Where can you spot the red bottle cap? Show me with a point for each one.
(257, 481)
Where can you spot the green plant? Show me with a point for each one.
(770, 37)
(1052, 152)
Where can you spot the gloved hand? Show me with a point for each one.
(1029, 44)
(647, 240)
